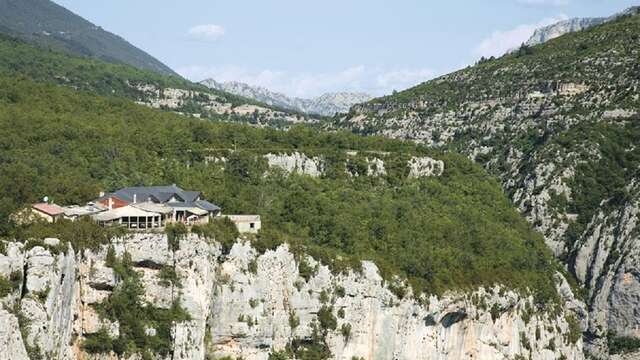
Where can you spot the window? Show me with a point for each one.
(252, 225)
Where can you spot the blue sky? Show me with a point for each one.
(305, 48)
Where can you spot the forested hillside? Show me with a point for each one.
(558, 123)
(452, 231)
(170, 93)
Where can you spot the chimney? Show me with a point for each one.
(135, 198)
(110, 203)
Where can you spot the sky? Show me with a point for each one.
(305, 48)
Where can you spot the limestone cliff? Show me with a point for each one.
(248, 305)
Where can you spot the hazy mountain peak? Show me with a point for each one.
(327, 104)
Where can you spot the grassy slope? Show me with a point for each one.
(456, 231)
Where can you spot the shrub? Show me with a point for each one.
(622, 344)
(98, 343)
(324, 296)
(252, 266)
(253, 303)
(575, 333)
(175, 233)
(345, 330)
(222, 230)
(111, 258)
(7, 286)
(168, 276)
(326, 318)
(294, 320)
(278, 355)
(496, 311)
(305, 270)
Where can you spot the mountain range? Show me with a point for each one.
(46, 24)
(328, 104)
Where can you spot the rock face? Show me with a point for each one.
(296, 163)
(301, 164)
(553, 31)
(425, 167)
(248, 305)
(328, 104)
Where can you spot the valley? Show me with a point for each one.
(490, 213)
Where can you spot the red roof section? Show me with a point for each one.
(117, 202)
(49, 209)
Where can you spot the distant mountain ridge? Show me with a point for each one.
(46, 24)
(558, 29)
(328, 104)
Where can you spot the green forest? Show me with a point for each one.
(457, 231)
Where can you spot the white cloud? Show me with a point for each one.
(373, 80)
(544, 2)
(499, 42)
(207, 32)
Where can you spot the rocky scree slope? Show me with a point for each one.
(327, 105)
(46, 24)
(254, 306)
(559, 124)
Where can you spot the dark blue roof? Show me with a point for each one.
(162, 194)
(159, 194)
(205, 205)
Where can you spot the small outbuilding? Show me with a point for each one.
(246, 224)
(50, 212)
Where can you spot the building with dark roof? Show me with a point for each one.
(163, 204)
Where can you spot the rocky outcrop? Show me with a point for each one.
(558, 29)
(553, 31)
(296, 163)
(248, 305)
(301, 164)
(425, 167)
